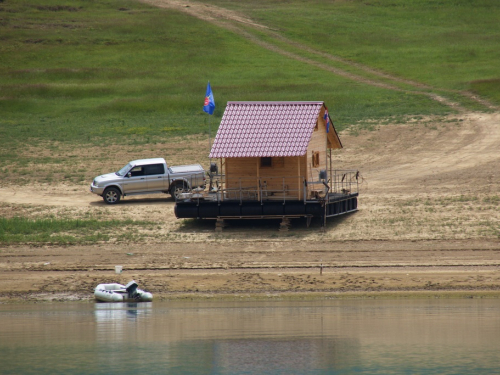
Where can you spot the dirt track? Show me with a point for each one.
(427, 223)
(240, 23)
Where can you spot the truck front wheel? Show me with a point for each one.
(111, 195)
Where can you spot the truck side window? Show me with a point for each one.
(154, 169)
(137, 171)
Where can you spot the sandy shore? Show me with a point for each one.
(283, 269)
(428, 225)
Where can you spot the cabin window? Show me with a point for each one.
(315, 159)
(317, 126)
(266, 162)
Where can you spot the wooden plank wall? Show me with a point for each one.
(283, 175)
(241, 168)
(285, 171)
(317, 144)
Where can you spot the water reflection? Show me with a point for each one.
(325, 337)
(119, 311)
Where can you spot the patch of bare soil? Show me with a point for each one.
(427, 224)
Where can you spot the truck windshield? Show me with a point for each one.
(124, 170)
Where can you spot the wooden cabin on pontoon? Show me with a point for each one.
(274, 160)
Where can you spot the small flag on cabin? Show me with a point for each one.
(209, 104)
(327, 120)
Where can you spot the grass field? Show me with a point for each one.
(447, 44)
(62, 231)
(124, 71)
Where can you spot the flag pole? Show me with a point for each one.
(209, 136)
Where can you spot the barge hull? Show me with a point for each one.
(332, 205)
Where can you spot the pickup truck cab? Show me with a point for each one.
(148, 176)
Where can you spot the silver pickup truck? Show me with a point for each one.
(148, 176)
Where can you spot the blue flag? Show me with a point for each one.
(209, 104)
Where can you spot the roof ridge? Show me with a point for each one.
(276, 102)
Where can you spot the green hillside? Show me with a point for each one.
(83, 70)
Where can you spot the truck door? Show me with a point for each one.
(136, 182)
(155, 175)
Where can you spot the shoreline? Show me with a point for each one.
(34, 298)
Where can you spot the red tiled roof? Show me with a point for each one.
(265, 129)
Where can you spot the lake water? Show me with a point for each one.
(435, 336)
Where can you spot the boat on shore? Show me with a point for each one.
(121, 293)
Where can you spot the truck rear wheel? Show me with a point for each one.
(111, 195)
(177, 190)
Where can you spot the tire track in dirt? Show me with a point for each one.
(29, 195)
(450, 156)
(233, 21)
